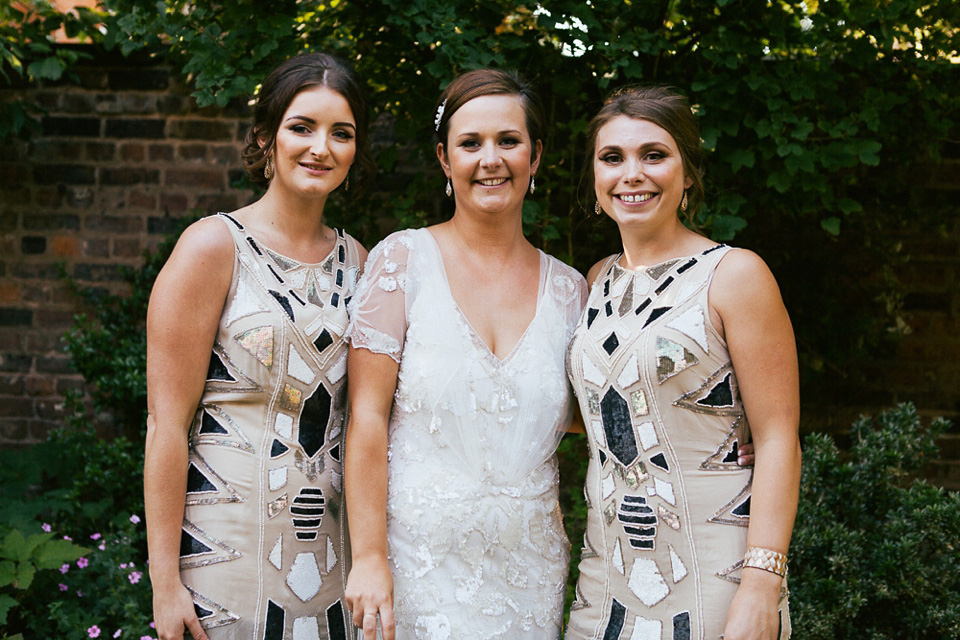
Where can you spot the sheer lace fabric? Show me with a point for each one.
(475, 536)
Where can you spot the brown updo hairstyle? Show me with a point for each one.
(277, 92)
(666, 108)
(490, 82)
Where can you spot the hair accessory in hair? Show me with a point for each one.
(436, 121)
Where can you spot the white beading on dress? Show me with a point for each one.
(476, 543)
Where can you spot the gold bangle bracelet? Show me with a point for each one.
(766, 559)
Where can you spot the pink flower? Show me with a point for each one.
(134, 577)
(46, 528)
(153, 625)
(123, 565)
(94, 631)
(82, 563)
(63, 587)
(102, 546)
(67, 538)
(146, 638)
(64, 568)
(95, 536)
(117, 633)
(135, 519)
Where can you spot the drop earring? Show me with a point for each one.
(346, 183)
(449, 189)
(533, 184)
(268, 168)
(683, 203)
(596, 208)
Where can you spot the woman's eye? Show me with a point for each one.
(300, 128)
(610, 158)
(509, 142)
(656, 156)
(343, 135)
(470, 144)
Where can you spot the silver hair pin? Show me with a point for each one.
(436, 121)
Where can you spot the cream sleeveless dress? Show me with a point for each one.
(475, 539)
(264, 545)
(668, 506)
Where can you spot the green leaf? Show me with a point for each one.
(831, 225)
(50, 68)
(8, 572)
(725, 227)
(7, 603)
(780, 180)
(25, 573)
(867, 150)
(15, 547)
(741, 158)
(849, 205)
(57, 552)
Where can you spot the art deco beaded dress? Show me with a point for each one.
(264, 545)
(668, 505)
(475, 540)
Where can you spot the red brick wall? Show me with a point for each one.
(118, 159)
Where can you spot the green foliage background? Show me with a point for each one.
(819, 117)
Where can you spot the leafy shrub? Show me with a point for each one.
(875, 552)
(21, 557)
(84, 488)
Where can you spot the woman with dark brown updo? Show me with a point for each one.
(684, 353)
(458, 395)
(246, 368)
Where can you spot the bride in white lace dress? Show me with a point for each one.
(458, 396)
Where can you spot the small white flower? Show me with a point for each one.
(806, 23)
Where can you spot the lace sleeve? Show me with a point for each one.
(570, 288)
(378, 311)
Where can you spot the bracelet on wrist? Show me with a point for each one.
(766, 559)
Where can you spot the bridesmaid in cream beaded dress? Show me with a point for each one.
(684, 352)
(459, 396)
(246, 382)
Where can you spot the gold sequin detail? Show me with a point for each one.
(308, 467)
(593, 402)
(258, 342)
(638, 400)
(610, 512)
(634, 475)
(274, 507)
(672, 519)
(672, 358)
(290, 398)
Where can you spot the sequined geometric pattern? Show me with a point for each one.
(265, 449)
(477, 548)
(668, 505)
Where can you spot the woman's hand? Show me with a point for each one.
(369, 593)
(754, 611)
(746, 456)
(173, 612)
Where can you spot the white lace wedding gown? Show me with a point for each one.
(476, 544)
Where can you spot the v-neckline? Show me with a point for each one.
(475, 336)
